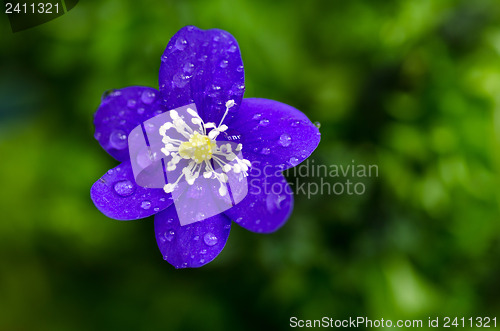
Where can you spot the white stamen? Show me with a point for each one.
(200, 148)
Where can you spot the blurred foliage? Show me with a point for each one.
(411, 86)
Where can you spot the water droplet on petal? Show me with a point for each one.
(223, 64)
(181, 43)
(216, 38)
(285, 140)
(227, 226)
(146, 204)
(110, 171)
(131, 103)
(97, 135)
(180, 80)
(257, 116)
(317, 124)
(293, 161)
(265, 151)
(188, 67)
(164, 58)
(203, 251)
(118, 139)
(124, 188)
(239, 68)
(257, 222)
(196, 238)
(148, 97)
(264, 122)
(210, 239)
(238, 89)
(273, 202)
(232, 49)
(140, 111)
(295, 123)
(169, 235)
(156, 209)
(202, 260)
(238, 220)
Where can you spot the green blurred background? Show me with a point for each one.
(411, 86)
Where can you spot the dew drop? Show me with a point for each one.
(118, 139)
(124, 188)
(239, 68)
(238, 89)
(188, 67)
(317, 124)
(210, 239)
(164, 58)
(110, 93)
(295, 123)
(202, 260)
(257, 222)
(196, 238)
(162, 199)
(227, 226)
(131, 103)
(223, 64)
(216, 38)
(180, 80)
(257, 116)
(238, 220)
(110, 171)
(156, 209)
(122, 122)
(265, 151)
(97, 135)
(273, 202)
(203, 251)
(232, 49)
(146, 204)
(140, 111)
(264, 122)
(169, 235)
(293, 161)
(285, 140)
(181, 43)
(148, 97)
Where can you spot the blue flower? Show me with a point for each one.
(204, 68)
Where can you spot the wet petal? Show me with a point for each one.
(275, 133)
(192, 245)
(268, 204)
(121, 111)
(205, 67)
(117, 195)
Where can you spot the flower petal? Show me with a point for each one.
(192, 245)
(117, 195)
(121, 111)
(275, 133)
(268, 204)
(205, 67)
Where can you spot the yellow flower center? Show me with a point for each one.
(199, 148)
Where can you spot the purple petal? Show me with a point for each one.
(268, 204)
(193, 245)
(275, 133)
(121, 111)
(204, 67)
(117, 195)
